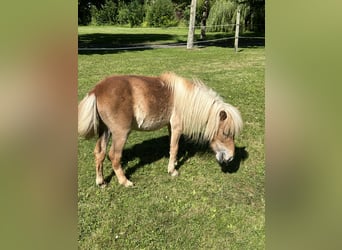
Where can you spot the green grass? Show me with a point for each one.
(203, 208)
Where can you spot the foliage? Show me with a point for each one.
(200, 9)
(160, 13)
(136, 13)
(123, 13)
(186, 15)
(254, 13)
(199, 12)
(84, 15)
(131, 13)
(106, 14)
(156, 13)
(223, 15)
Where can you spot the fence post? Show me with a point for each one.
(237, 27)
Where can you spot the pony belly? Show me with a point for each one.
(146, 118)
(150, 123)
(147, 122)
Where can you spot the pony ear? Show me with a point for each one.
(223, 115)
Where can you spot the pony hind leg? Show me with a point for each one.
(115, 154)
(100, 154)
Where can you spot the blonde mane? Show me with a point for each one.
(200, 107)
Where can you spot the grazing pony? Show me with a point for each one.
(118, 104)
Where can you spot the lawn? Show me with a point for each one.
(202, 208)
(109, 36)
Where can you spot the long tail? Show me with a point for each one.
(88, 119)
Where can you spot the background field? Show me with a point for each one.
(203, 208)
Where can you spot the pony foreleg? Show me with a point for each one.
(175, 134)
(115, 154)
(100, 153)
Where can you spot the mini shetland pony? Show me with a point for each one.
(118, 104)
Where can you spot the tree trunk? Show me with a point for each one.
(204, 19)
(191, 33)
(237, 27)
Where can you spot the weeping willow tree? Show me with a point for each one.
(222, 15)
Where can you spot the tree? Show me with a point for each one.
(205, 14)
(191, 33)
(254, 15)
(223, 15)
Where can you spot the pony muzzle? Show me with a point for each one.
(223, 157)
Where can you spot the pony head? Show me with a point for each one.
(205, 117)
(222, 143)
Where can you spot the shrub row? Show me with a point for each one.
(156, 13)
(165, 13)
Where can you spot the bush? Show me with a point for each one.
(123, 13)
(109, 13)
(136, 13)
(160, 13)
(186, 15)
(106, 14)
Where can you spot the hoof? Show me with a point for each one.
(174, 173)
(101, 183)
(128, 183)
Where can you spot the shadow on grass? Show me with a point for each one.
(150, 151)
(241, 155)
(99, 43)
(118, 40)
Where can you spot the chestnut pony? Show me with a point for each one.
(118, 104)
